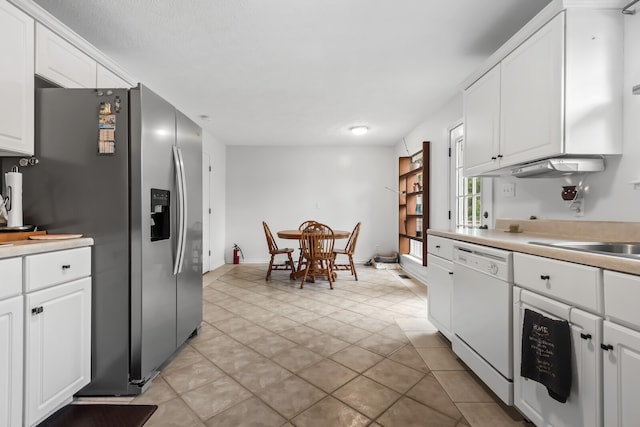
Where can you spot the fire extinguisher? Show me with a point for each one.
(237, 252)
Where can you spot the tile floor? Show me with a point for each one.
(364, 354)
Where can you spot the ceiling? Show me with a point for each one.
(299, 72)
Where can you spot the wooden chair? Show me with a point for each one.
(301, 227)
(317, 246)
(348, 250)
(273, 250)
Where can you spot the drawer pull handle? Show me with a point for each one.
(606, 347)
(37, 310)
(437, 246)
(494, 158)
(585, 336)
(451, 273)
(544, 277)
(66, 266)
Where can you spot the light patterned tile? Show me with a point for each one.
(490, 415)
(158, 393)
(462, 386)
(325, 345)
(428, 391)
(394, 375)
(409, 413)
(174, 413)
(409, 356)
(192, 376)
(327, 375)
(296, 358)
(427, 339)
(356, 358)
(379, 344)
(291, 396)
(367, 396)
(271, 344)
(259, 375)
(441, 359)
(215, 397)
(330, 412)
(251, 412)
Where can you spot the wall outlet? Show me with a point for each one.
(509, 190)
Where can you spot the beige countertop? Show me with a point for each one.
(555, 231)
(29, 247)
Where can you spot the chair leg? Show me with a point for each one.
(330, 273)
(269, 270)
(291, 264)
(353, 267)
(306, 271)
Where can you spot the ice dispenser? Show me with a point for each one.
(160, 216)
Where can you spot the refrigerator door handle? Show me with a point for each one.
(184, 210)
(177, 160)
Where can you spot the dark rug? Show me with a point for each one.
(100, 416)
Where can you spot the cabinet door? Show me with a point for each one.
(107, 79)
(584, 404)
(62, 63)
(16, 82)
(11, 330)
(621, 367)
(482, 124)
(57, 346)
(440, 281)
(532, 96)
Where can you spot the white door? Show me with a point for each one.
(583, 406)
(621, 362)
(11, 322)
(440, 280)
(482, 124)
(16, 81)
(57, 345)
(206, 212)
(531, 96)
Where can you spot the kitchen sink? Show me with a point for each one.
(623, 249)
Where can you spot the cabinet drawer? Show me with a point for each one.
(575, 284)
(621, 296)
(52, 268)
(440, 246)
(10, 277)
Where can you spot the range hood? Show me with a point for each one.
(551, 168)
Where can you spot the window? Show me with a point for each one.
(471, 195)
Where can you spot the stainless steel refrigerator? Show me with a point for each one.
(124, 167)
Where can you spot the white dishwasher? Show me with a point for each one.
(482, 314)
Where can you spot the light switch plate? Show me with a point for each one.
(509, 190)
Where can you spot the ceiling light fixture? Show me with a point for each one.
(359, 130)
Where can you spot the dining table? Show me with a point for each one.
(296, 235)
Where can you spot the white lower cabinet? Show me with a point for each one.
(584, 404)
(621, 363)
(11, 360)
(440, 289)
(621, 350)
(57, 346)
(440, 283)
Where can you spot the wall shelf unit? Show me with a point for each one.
(413, 203)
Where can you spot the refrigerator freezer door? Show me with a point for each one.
(189, 289)
(153, 284)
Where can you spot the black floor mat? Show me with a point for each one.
(100, 416)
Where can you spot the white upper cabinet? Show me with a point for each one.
(558, 93)
(62, 63)
(16, 81)
(482, 124)
(531, 97)
(107, 79)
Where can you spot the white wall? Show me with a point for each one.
(609, 196)
(435, 129)
(217, 154)
(285, 186)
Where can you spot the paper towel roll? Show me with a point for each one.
(13, 184)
